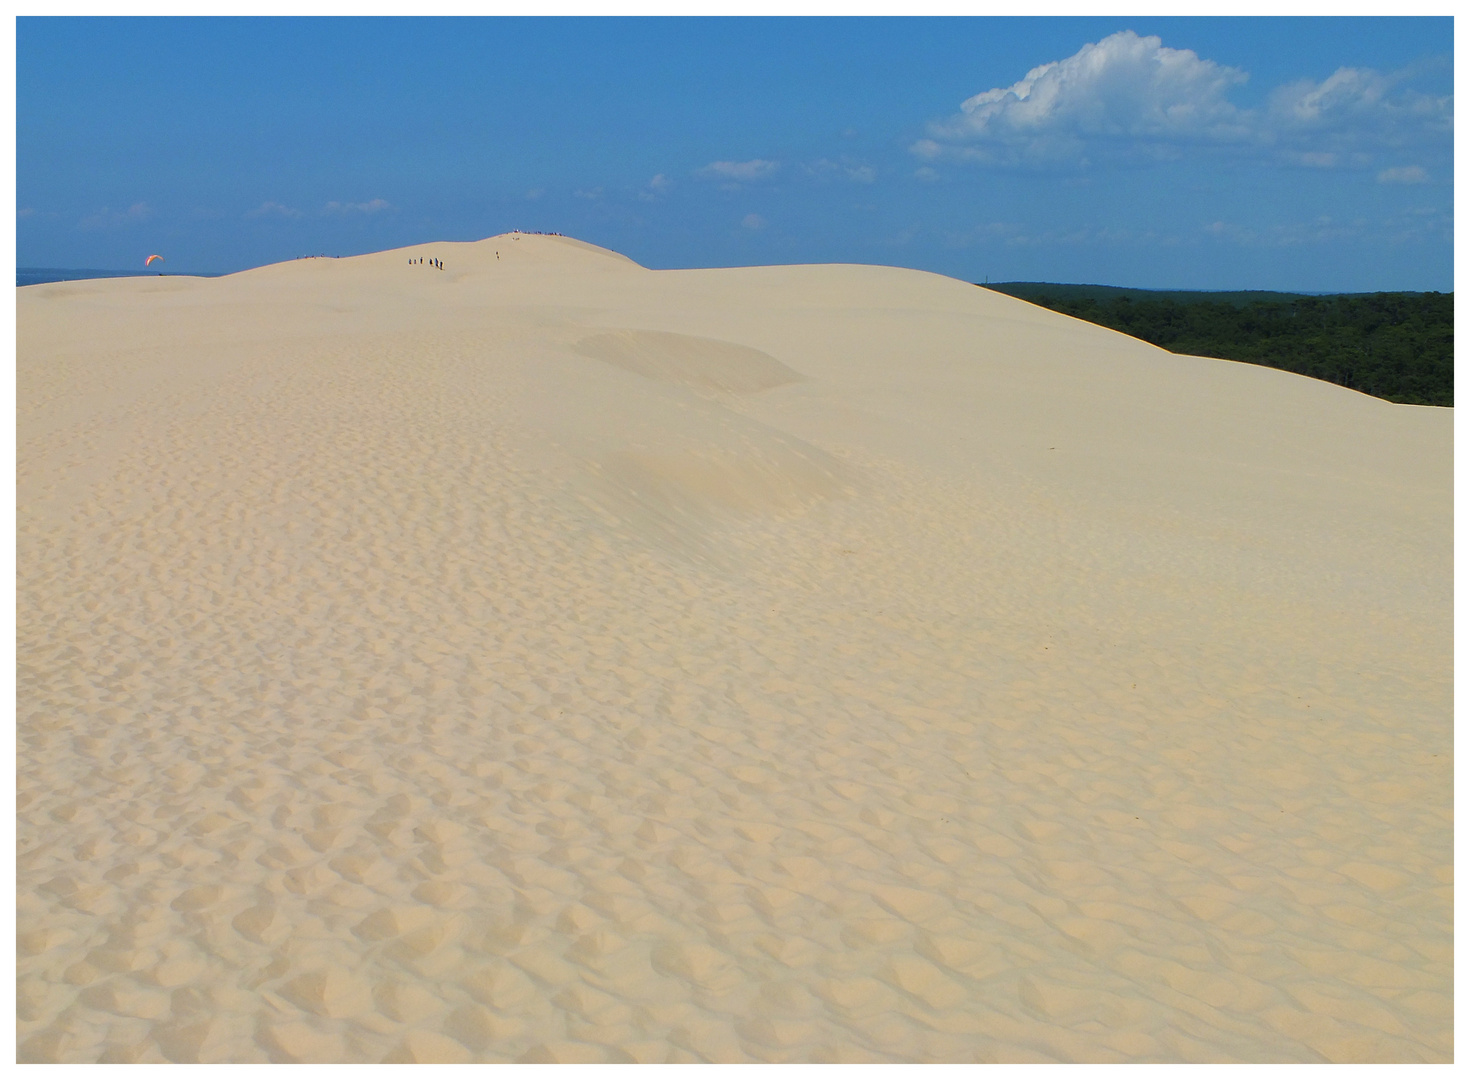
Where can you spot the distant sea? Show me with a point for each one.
(40, 275)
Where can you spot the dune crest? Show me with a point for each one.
(550, 659)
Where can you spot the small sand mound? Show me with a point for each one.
(676, 497)
(783, 479)
(699, 363)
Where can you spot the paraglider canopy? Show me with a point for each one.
(149, 261)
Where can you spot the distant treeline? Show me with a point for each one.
(1397, 346)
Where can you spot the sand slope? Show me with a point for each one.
(550, 659)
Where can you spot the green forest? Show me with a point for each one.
(1396, 346)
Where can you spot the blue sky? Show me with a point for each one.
(1301, 154)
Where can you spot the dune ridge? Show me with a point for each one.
(550, 659)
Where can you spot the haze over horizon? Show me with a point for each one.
(1308, 155)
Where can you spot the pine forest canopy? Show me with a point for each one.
(1397, 346)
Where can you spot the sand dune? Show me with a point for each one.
(550, 659)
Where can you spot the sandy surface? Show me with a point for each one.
(550, 659)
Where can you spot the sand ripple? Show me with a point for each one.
(350, 730)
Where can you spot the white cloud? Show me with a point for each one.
(373, 206)
(1407, 174)
(1356, 109)
(535, 193)
(273, 209)
(858, 174)
(1422, 223)
(1133, 96)
(1312, 159)
(1084, 236)
(753, 221)
(1345, 90)
(739, 171)
(106, 218)
(988, 233)
(588, 193)
(1319, 230)
(1354, 94)
(659, 185)
(25, 212)
(1124, 87)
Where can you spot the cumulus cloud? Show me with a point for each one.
(1355, 109)
(1124, 87)
(1407, 174)
(373, 206)
(659, 185)
(1346, 90)
(1133, 96)
(273, 209)
(753, 221)
(739, 171)
(1352, 96)
(106, 218)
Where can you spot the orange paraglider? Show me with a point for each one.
(149, 261)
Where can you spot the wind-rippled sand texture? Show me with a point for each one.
(548, 659)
